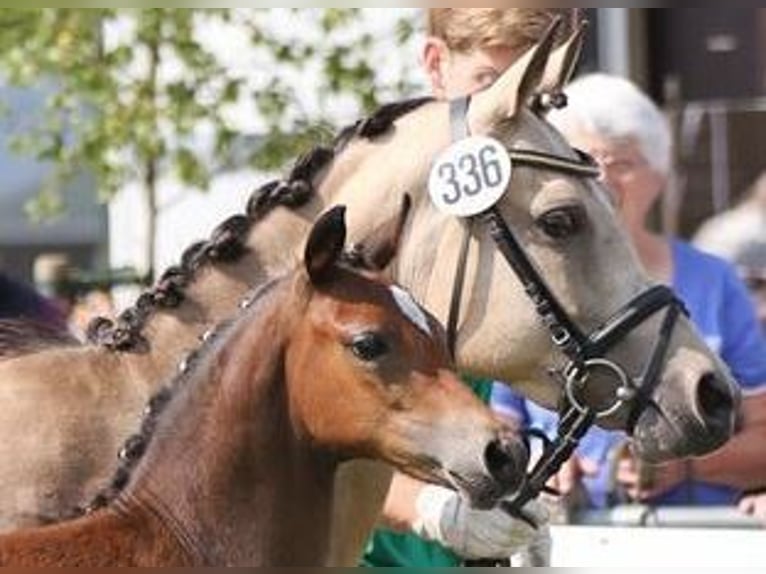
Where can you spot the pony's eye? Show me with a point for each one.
(369, 347)
(562, 222)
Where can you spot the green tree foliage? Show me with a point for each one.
(132, 92)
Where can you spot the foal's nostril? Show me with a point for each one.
(506, 459)
(715, 402)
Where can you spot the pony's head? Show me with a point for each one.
(568, 231)
(369, 374)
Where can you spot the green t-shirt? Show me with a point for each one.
(393, 549)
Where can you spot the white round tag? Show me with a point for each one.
(470, 177)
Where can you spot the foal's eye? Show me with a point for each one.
(369, 346)
(562, 222)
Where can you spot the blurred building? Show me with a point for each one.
(79, 235)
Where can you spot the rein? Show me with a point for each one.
(585, 353)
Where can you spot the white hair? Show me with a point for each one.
(614, 108)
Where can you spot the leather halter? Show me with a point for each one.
(585, 353)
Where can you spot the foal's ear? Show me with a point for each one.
(563, 62)
(325, 244)
(506, 97)
(380, 247)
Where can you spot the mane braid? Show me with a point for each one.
(379, 123)
(136, 446)
(227, 242)
(355, 259)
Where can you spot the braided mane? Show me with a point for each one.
(137, 445)
(227, 242)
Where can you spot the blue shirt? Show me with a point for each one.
(720, 307)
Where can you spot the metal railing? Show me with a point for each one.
(639, 515)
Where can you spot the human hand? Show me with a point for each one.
(569, 478)
(642, 482)
(445, 517)
(538, 553)
(754, 505)
(568, 484)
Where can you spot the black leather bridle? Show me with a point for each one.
(585, 353)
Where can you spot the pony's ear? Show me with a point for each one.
(380, 247)
(325, 244)
(511, 91)
(563, 62)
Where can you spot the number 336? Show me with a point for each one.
(471, 174)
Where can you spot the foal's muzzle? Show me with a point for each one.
(506, 459)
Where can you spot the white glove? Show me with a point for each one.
(538, 553)
(445, 517)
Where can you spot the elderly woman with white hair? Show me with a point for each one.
(629, 137)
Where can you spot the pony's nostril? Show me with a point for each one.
(715, 402)
(506, 460)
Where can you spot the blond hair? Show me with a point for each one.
(469, 29)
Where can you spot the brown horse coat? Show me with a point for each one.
(236, 463)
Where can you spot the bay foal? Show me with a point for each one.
(326, 364)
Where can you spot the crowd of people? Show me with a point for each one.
(721, 278)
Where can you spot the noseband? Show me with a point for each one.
(586, 353)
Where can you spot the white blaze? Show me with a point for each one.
(410, 309)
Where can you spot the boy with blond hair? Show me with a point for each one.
(468, 48)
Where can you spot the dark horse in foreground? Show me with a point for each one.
(328, 363)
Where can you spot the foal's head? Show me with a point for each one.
(369, 375)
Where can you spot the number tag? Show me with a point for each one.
(470, 177)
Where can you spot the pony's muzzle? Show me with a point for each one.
(715, 403)
(506, 459)
(693, 410)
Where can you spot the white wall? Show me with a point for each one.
(641, 548)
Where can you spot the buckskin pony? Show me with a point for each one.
(66, 411)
